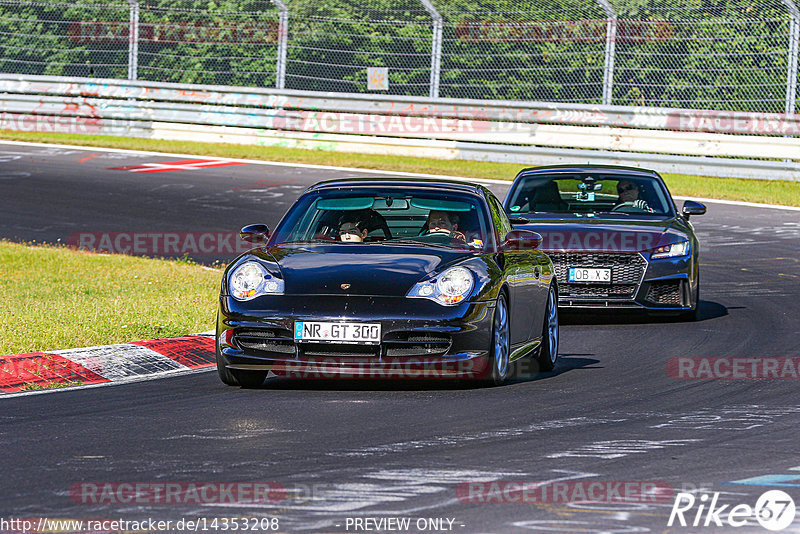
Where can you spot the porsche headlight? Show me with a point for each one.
(448, 288)
(251, 279)
(670, 251)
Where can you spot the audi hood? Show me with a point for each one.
(603, 235)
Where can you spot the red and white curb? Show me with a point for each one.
(125, 362)
(180, 165)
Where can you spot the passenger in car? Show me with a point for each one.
(546, 198)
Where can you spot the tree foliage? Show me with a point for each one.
(723, 54)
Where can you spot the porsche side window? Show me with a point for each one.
(500, 218)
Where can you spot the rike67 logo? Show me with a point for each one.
(774, 510)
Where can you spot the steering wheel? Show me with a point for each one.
(324, 237)
(624, 205)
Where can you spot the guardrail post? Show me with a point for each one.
(436, 47)
(794, 44)
(133, 40)
(611, 43)
(283, 37)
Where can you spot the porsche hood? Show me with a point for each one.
(358, 269)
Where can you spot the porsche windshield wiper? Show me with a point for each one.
(413, 242)
(308, 241)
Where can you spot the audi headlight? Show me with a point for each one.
(450, 287)
(251, 279)
(670, 251)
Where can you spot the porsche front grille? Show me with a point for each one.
(272, 340)
(339, 350)
(407, 344)
(415, 344)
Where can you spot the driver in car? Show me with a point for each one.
(444, 223)
(628, 192)
(352, 231)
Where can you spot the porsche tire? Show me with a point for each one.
(224, 373)
(547, 354)
(500, 350)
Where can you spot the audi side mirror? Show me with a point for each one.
(690, 207)
(255, 233)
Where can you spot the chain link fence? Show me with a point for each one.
(723, 55)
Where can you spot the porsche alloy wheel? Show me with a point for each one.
(501, 342)
(548, 351)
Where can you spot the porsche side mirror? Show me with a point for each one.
(255, 233)
(690, 207)
(517, 240)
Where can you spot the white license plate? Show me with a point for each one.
(589, 275)
(368, 333)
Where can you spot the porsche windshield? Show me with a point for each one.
(388, 216)
(583, 193)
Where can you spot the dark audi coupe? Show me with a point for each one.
(615, 237)
(388, 278)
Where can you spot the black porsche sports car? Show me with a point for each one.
(388, 278)
(614, 234)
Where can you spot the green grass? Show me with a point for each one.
(49, 385)
(764, 191)
(58, 298)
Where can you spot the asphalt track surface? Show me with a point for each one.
(358, 449)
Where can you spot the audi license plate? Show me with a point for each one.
(362, 333)
(589, 275)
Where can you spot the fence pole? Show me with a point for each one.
(283, 37)
(794, 44)
(436, 48)
(611, 43)
(133, 41)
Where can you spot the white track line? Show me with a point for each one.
(350, 169)
(740, 203)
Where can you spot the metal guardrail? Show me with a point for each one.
(687, 141)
